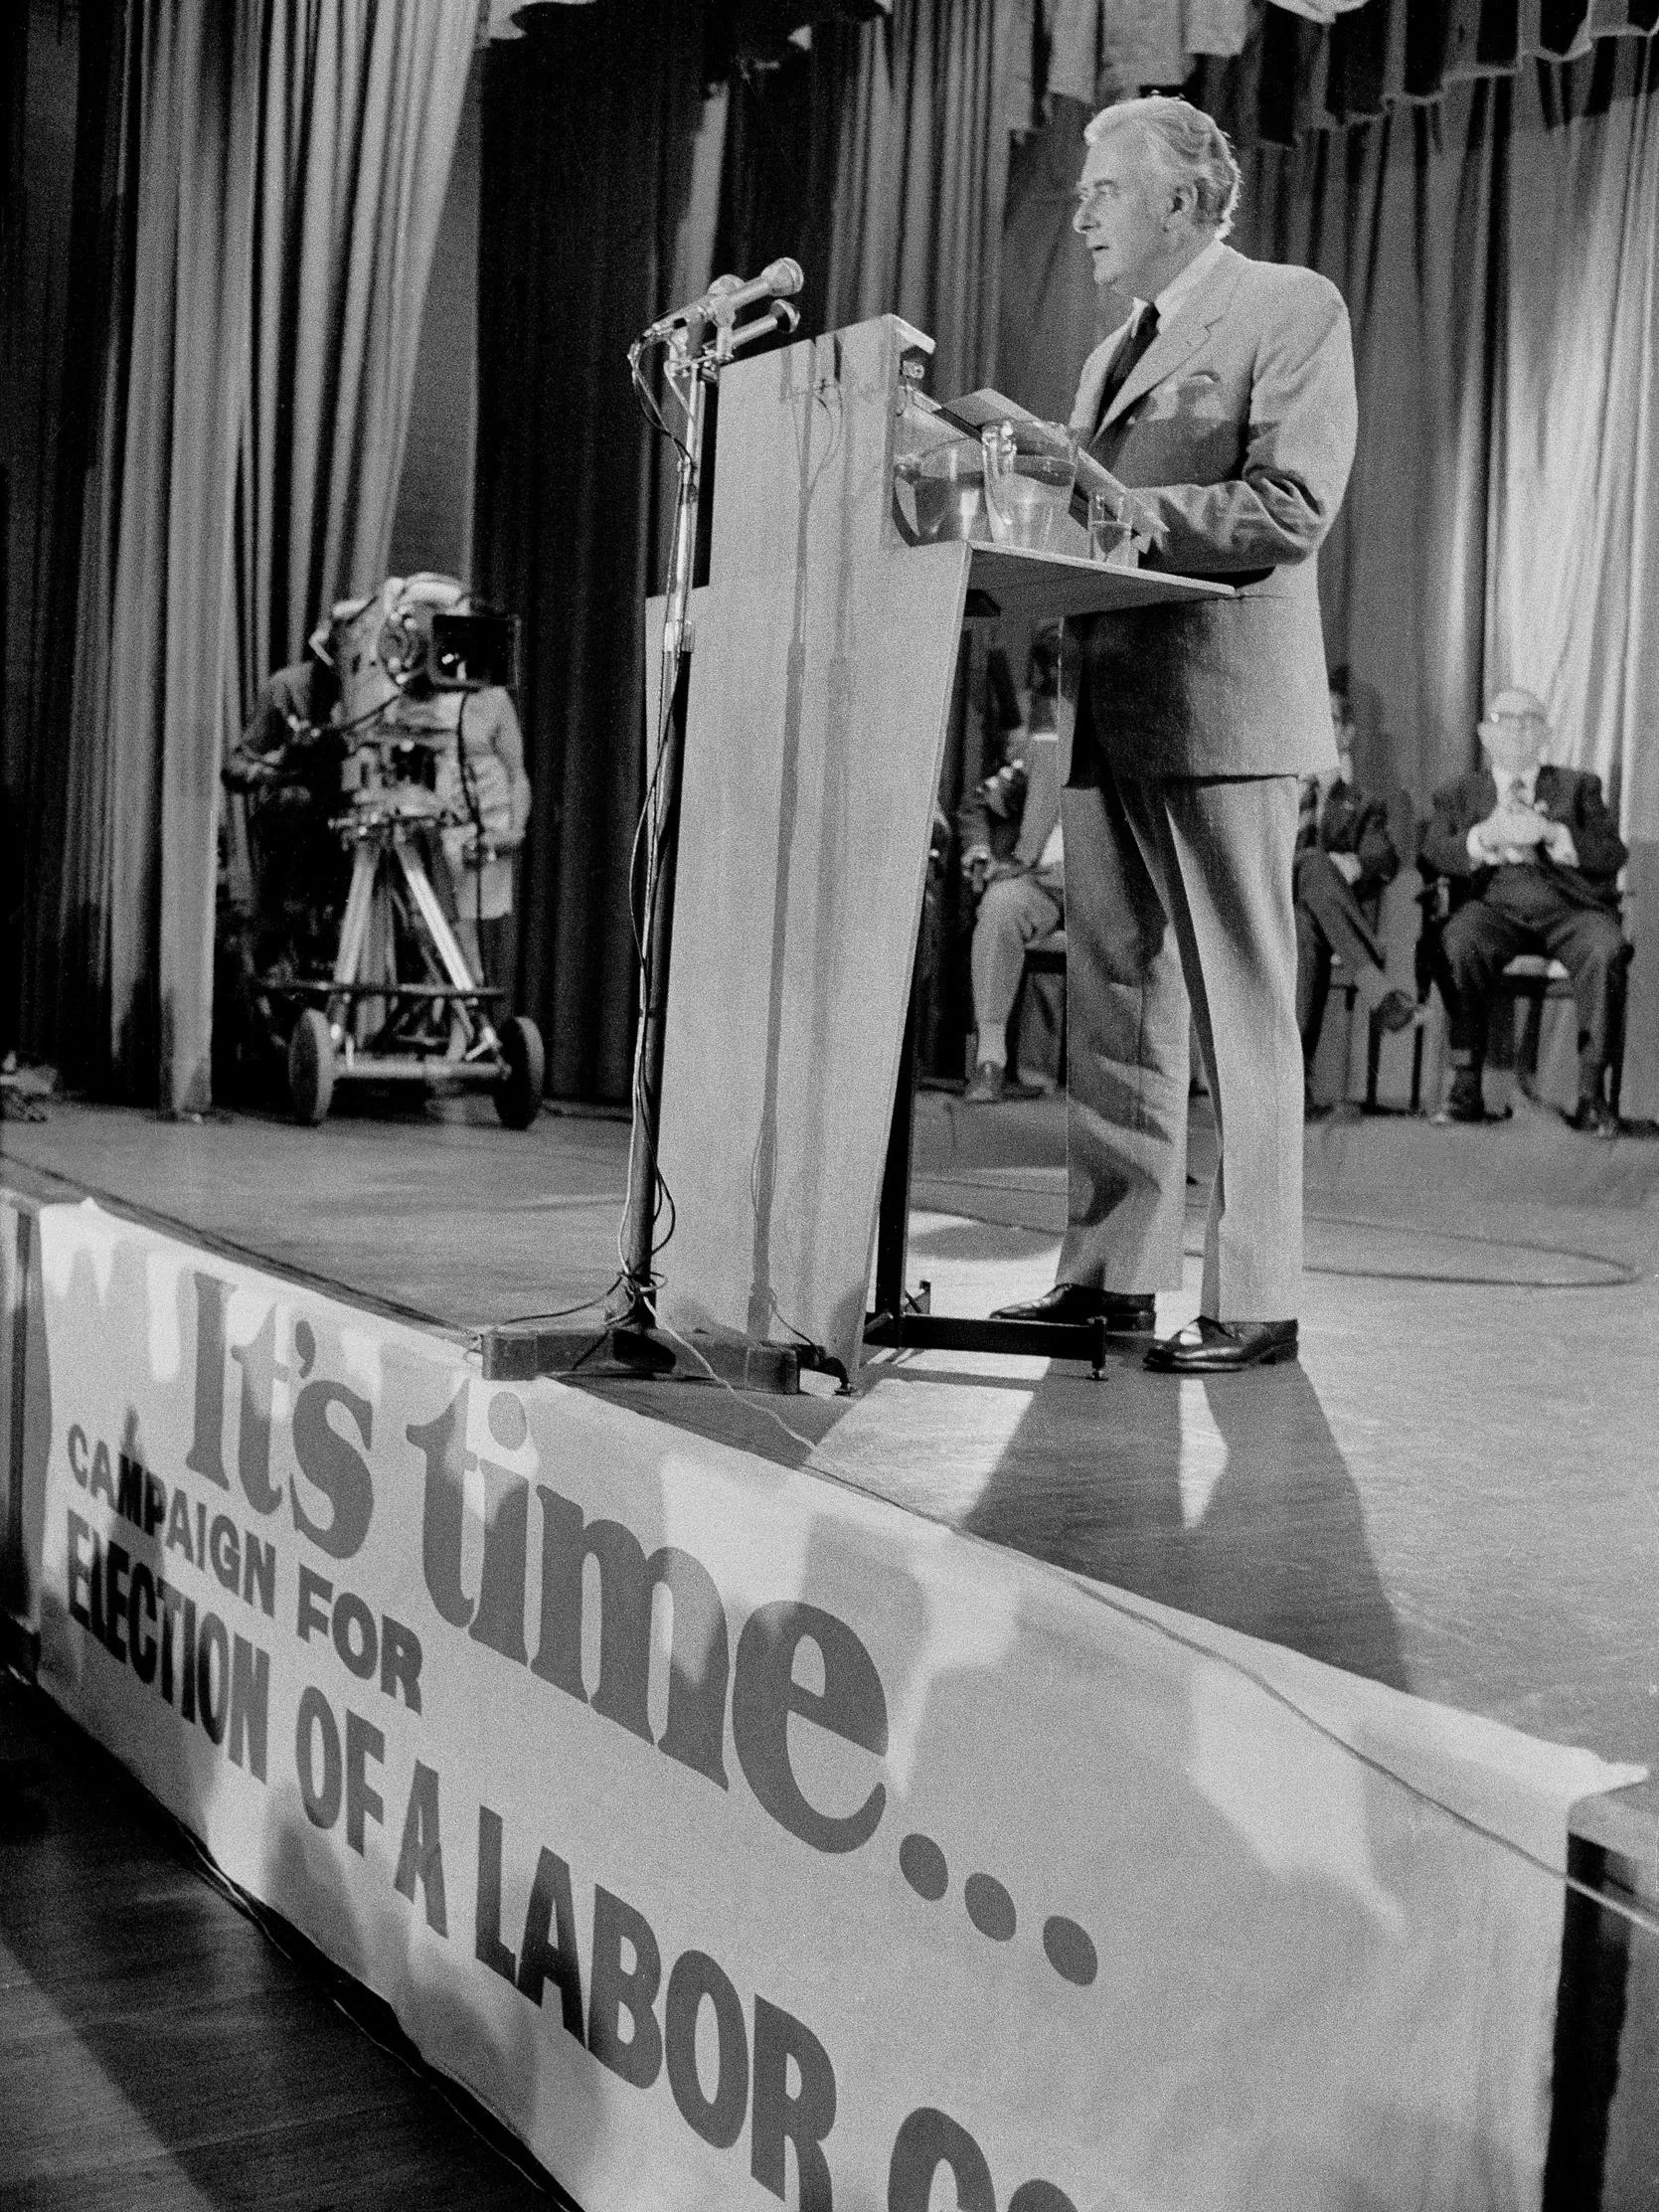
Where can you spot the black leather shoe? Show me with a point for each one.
(1206, 1347)
(1596, 1117)
(1464, 1101)
(1124, 1313)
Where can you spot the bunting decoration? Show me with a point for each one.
(1310, 65)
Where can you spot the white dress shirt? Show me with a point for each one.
(1181, 287)
(1176, 296)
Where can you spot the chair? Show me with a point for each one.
(1529, 979)
(1047, 956)
(1341, 979)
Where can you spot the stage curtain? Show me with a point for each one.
(1574, 604)
(1499, 251)
(359, 106)
(61, 78)
(1573, 589)
(880, 158)
(1403, 217)
(1051, 313)
(921, 170)
(594, 164)
(275, 174)
(1500, 257)
(141, 773)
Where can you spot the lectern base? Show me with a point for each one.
(948, 1332)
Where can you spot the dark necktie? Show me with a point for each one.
(1123, 361)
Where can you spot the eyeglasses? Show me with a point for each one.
(1090, 195)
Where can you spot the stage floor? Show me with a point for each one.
(1456, 1491)
(161, 2052)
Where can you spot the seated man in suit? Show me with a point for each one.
(1345, 858)
(1538, 853)
(1013, 861)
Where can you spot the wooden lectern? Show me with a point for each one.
(824, 656)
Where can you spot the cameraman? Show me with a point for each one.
(287, 871)
(483, 776)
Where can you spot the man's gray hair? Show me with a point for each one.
(1188, 146)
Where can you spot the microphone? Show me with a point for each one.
(727, 296)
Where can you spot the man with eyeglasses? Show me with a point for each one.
(1532, 856)
(1223, 412)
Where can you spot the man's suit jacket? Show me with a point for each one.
(1236, 433)
(1018, 843)
(1569, 796)
(1351, 821)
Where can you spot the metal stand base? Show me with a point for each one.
(902, 1322)
(625, 1350)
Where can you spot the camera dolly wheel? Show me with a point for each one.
(518, 1093)
(311, 1068)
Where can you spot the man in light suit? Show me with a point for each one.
(1223, 412)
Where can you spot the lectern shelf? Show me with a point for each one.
(820, 689)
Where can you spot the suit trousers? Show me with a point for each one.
(1522, 911)
(1014, 910)
(1330, 920)
(1179, 918)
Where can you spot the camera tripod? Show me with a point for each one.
(370, 1024)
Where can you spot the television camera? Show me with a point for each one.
(402, 1005)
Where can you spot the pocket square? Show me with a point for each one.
(1198, 394)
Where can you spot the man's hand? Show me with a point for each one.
(478, 851)
(1559, 844)
(1347, 866)
(1509, 833)
(1519, 826)
(1004, 793)
(976, 866)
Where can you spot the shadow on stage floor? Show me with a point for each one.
(1230, 1501)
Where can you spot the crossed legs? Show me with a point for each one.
(1013, 911)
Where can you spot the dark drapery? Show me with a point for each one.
(589, 129)
(1051, 316)
(53, 242)
(879, 158)
(136, 898)
(1499, 253)
(271, 177)
(358, 112)
(1403, 217)
(921, 170)
(1500, 256)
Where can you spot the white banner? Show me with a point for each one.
(738, 1839)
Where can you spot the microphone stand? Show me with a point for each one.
(696, 355)
(689, 375)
